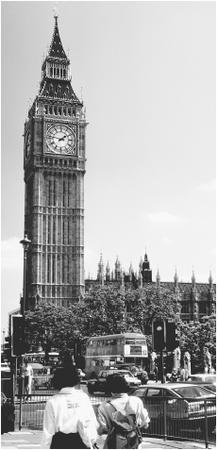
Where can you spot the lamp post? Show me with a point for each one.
(3, 342)
(25, 243)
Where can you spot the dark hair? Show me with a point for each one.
(117, 383)
(67, 376)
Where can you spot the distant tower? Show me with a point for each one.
(212, 297)
(158, 279)
(130, 272)
(100, 275)
(146, 271)
(176, 281)
(194, 297)
(178, 293)
(108, 277)
(54, 168)
(118, 270)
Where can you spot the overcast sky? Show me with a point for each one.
(146, 71)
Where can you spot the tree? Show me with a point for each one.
(50, 327)
(194, 337)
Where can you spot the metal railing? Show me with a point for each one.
(170, 418)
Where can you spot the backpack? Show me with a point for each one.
(124, 432)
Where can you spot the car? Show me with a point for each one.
(7, 414)
(209, 387)
(182, 404)
(207, 378)
(99, 384)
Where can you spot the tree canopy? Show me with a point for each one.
(109, 310)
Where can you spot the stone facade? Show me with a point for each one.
(54, 168)
(195, 300)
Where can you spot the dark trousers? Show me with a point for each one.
(70, 440)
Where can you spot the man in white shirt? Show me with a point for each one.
(69, 419)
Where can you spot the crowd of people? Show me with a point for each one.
(70, 420)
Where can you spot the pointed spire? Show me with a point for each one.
(146, 256)
(117, 269)
(140, 279)
(158, 278)
(176, 279)
(107, 272)
(122, 278)
(56, 48)
(130, 272)
(210, 279)
(100, 275)
(193, 280)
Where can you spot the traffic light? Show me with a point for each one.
(17, 335)
(171, 336)
(158, 334)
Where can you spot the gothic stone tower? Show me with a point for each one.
(54, 168)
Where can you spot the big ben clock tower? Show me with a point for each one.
(54, 168)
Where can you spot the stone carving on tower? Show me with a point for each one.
(54, 168)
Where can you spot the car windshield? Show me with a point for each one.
(191, 391)
(125, 372)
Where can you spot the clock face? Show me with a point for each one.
(60, 139)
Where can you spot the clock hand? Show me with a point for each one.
(62, 138)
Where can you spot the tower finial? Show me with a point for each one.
(55, 15)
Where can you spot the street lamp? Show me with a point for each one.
(25, 243)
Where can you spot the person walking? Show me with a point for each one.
(27, 374)
(122, 411)
(69, 419)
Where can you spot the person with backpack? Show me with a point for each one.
(122, 416)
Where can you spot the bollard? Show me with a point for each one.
(165, 420)
(206, 424)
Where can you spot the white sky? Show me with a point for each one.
(147, 72)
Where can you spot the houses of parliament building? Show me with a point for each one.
(54, 170)
(195, 300)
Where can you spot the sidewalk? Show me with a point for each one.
(29, 439)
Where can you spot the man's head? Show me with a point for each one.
(67, 376)
(117, 384)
